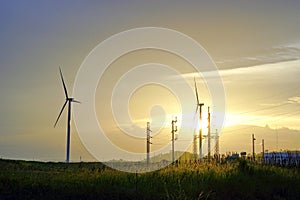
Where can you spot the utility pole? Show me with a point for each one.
(217, 147)
(200, 131)
(208, 135)
(253, 150)
(148, 143)
(276, 139)
(174, 129)
(263, 150)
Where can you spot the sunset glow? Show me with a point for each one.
(255, 47)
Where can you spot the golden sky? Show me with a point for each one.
(255, 45)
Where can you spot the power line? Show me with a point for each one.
(268, 108)
(282, 93)
(272, 96)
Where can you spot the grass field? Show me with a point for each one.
(239, 180)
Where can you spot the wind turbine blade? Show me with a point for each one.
(62, 79)
(62, 109)
(196, 91)
(76, 101)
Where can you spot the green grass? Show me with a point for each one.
(240, 180)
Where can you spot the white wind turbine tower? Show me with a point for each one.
(69, 100)
(199, 105)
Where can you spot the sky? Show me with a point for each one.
(255, 45)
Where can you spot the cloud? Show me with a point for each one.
(279, 69)
(272, 104)
(295, 99)
(275, 54)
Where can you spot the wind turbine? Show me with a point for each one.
(199, 105)
(69, 100)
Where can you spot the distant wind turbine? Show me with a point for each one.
(69, 100)
(199, 105)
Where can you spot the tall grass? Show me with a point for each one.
(239, 180)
